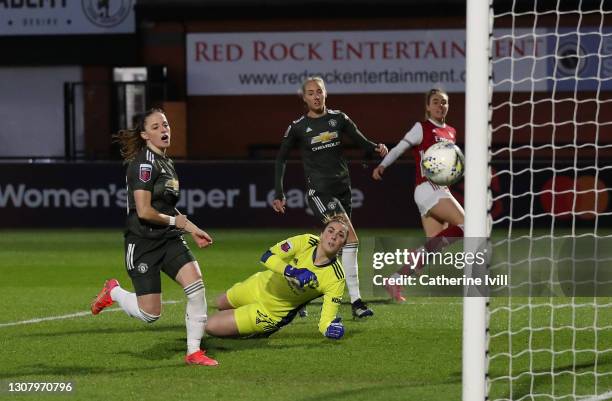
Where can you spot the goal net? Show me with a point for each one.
(549, 333)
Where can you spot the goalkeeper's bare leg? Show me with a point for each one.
(223, 323)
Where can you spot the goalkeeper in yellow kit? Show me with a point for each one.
(300, 269)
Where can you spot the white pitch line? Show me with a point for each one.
(78, 314)
(600, 397)
(69, 316)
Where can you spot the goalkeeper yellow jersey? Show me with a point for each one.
(282, 297)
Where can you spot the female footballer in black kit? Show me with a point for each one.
(319, 135)
(153, 235)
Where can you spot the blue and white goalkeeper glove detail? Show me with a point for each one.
(335, 330)
(301, 277)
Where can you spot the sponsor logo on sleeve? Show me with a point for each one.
(145, 171)
(285, 246)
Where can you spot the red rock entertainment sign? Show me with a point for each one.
(410, 61)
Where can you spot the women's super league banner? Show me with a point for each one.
(213, 194)
(239, 194)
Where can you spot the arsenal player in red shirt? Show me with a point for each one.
(441, 215)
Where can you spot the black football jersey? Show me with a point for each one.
(320, 141)
(155, 173)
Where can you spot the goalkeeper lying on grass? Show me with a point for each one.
(300, 269)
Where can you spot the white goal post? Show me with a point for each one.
(476, 180)
(538, 185)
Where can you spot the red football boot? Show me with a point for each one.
(200, 358)
(395, 290)
(104, 300)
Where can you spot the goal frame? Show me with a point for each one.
(477, 180)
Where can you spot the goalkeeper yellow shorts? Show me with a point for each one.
(252, 318)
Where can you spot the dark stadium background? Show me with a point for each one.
(62, 215)
(229, 135)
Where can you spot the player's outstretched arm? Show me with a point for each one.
(357, 136)
(280, 264)
(395, 153)
(279, 170)
(360, 139)
(147, 212)
(335, 330)
(279, 205)
(382, 150)
(378, 172)
(332, 298)
(301, 277)
(201, 237)
(280, 255)
(412, 138)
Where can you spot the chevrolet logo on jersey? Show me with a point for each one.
(172, 184)
(324, 137)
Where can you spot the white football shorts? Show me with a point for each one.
(427, 195)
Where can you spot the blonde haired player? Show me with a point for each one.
(299, 269)
(319, 134)
(441, 215)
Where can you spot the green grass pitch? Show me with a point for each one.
(405, 352)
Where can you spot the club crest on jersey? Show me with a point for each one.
(286, 246)
(142, 268)
(333, 123)
(331, 205)
(145, 172)
(324, 137)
